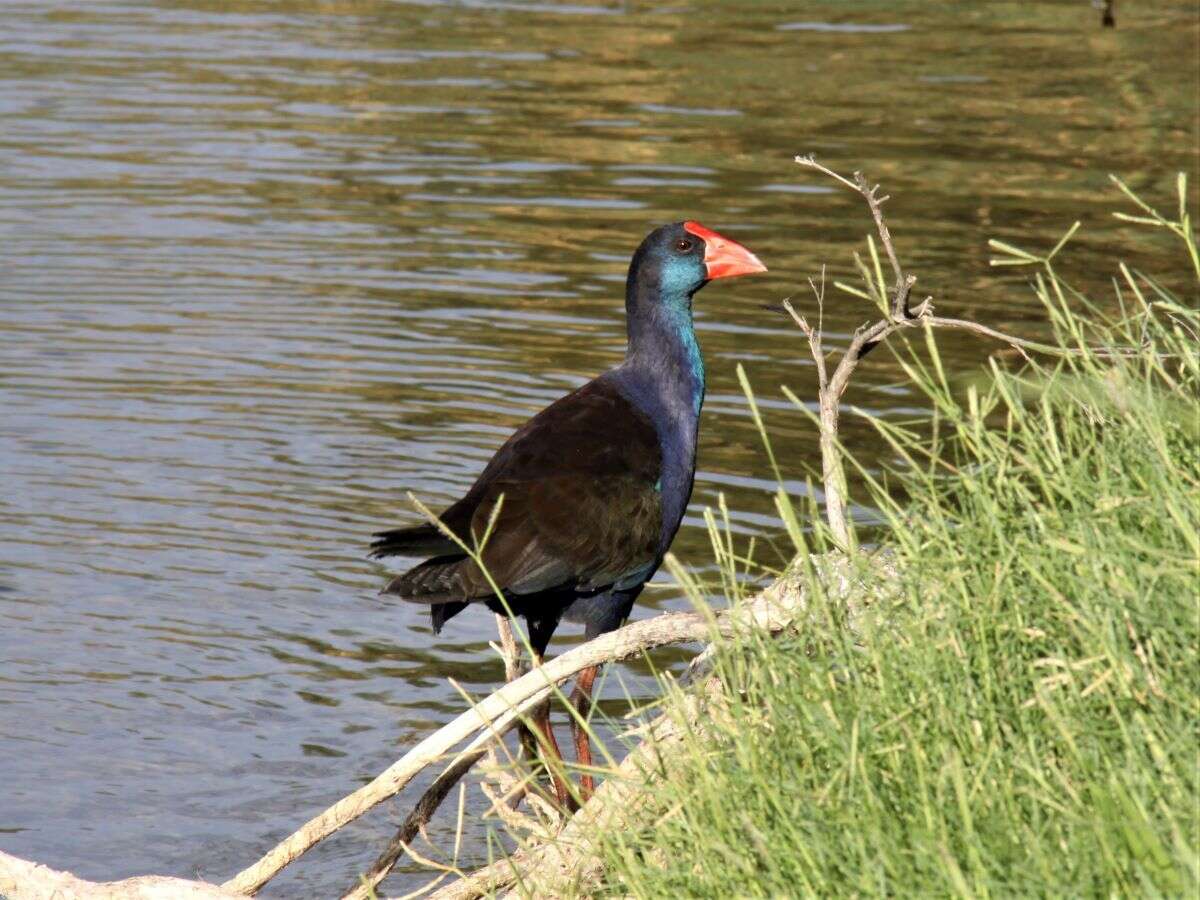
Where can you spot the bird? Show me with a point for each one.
(580, 505)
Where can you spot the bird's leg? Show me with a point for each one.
(582, 700)
(555, 765)
(554, 758)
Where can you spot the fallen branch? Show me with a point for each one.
(510, 653)
(779, 607)
(496, 713)
(771, 612)
(437, 792)
(24, 880)
(417, 819)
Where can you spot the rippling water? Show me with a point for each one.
(266, 266)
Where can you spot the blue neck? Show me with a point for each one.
(665, 354)
(662, 337)
(663, 375)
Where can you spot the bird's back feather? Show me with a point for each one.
(572, 501)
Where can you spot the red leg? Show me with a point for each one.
(582, 701)
(554, 761)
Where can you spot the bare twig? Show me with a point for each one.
(898, 315)
(508, 649)
(831, 387)
(814, 335)
(832, 474)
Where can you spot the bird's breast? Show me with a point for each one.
(671, 401)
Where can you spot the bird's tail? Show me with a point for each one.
(434, 582)
(444, 583)
(440, 612)
(412, 541)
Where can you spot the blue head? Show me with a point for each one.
(663, 372)
(674, 262)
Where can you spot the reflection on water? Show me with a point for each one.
(265, 267)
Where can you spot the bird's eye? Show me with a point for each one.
(683, 245)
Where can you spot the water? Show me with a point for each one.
(266, 267)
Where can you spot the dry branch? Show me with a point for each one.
(508, 649)
(898, 314)
(493, 716)
(417, 819)
(24, 880)
(490, 718)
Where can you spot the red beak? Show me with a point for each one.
(722, 257)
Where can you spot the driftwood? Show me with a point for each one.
(24, 880)
(437, 792)
(492, 716)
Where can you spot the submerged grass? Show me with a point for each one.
(1022, 719)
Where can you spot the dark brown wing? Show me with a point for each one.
(581, 506)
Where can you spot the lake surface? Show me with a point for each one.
(265, 267)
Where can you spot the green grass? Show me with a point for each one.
(1022, 719)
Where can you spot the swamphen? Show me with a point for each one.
(595, 485)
